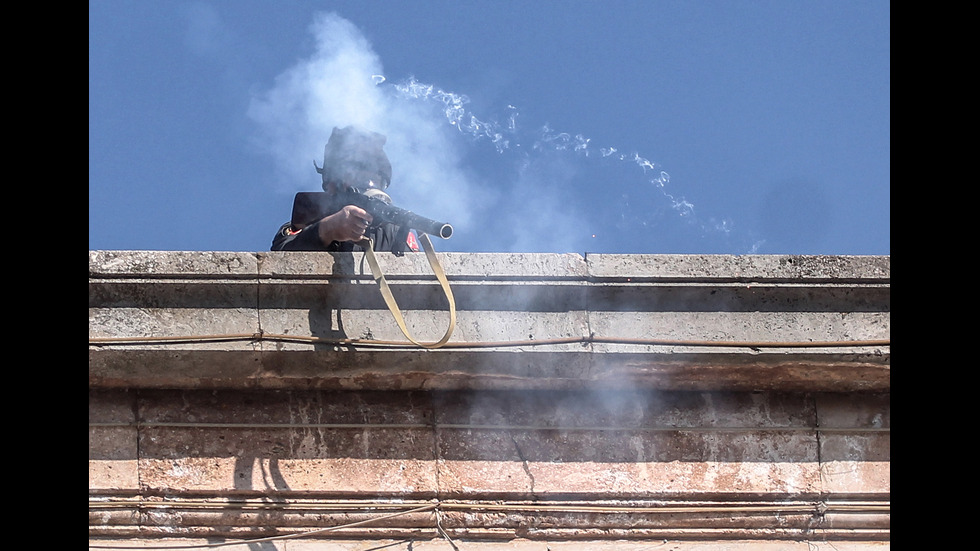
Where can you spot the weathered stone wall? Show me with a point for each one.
(523, 321)
(604, 402)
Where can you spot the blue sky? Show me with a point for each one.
(615, 126)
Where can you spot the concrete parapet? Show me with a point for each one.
(318, 320)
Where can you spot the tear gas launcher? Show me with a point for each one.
(311, 206)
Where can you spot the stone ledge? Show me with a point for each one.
(852, 268)
(681, 322)
(170, 367)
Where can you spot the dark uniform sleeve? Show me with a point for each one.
(307, 239)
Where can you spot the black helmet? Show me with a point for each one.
(355, 157)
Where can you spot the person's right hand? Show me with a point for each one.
(347, 224)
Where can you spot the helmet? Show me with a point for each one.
(355, 157)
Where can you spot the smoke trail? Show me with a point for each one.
(502, 135)
(527, 204)
(506, 135)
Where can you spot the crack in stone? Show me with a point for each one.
(523, 462)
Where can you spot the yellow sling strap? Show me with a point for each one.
(368, 245)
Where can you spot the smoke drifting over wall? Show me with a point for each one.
(527, 203)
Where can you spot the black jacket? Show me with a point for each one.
(308, 239)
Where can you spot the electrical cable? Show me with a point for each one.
(591, 339)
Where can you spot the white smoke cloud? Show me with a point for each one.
(338, 86)
(331, 88)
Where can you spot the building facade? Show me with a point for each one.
(271, 401)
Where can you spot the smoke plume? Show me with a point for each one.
(337, 87)
(527, 203)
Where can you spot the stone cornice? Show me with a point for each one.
(539, 321)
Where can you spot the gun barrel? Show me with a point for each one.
(386, 212)
(422, 224)
(444, 231)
